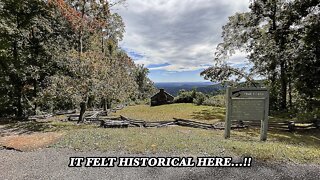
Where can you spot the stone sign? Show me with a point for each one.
(247, 104)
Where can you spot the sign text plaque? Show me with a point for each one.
(251, 104)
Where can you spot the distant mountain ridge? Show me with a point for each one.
(204, 87)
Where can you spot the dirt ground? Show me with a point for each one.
(29, 142)
(26, 135)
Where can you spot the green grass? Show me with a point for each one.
(195, 142)
(206, 114)
(175, 140)
(301, 146)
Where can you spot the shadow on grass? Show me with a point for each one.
(23, 127)
(300, 137)
(6, 121)
(209, 114)
(20, 127)
(32, 126)
(303, 137)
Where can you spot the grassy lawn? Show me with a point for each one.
(175, 140)
(300, 146)
(205, 114)
(281, 146)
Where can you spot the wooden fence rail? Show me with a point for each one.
(125, 122)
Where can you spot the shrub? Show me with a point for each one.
(190, 97)
(199, 99)
(218, 100)
(309, 116)
(184, 97)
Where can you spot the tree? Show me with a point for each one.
(85, 16)
(305, 68)
(267, 34)
(29, 36)
(84, 80)
(119, 82)
(145, 85)
(60, 54)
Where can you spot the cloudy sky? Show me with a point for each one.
(176, 39)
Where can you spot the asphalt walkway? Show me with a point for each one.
(50, 163)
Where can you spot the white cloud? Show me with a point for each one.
(179, 68)
(183, 33)
(238, 58)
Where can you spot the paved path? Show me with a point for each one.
(52, 163)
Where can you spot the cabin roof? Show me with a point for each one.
(163, 91)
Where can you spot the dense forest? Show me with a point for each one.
(282, 42)
(64, 54)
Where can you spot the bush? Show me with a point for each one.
(190, 97)
(184, 97)
(309, 116)
(218, 100)
(200, 98)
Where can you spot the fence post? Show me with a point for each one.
(264, 122)
(227, 126)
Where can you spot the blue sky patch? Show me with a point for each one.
(134, 55)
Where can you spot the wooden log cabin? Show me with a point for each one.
(161, 97)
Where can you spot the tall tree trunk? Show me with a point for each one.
(109, 103)
(91, 100)
(35, 96)
(283, 81)
(102, 41)
(83, 104)
(104, 104)
(18, 83)
(34, 56)
(273, 95)
(290, 92)
(81, 31)
(80, 43)
(83, 108)
(19, 100)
